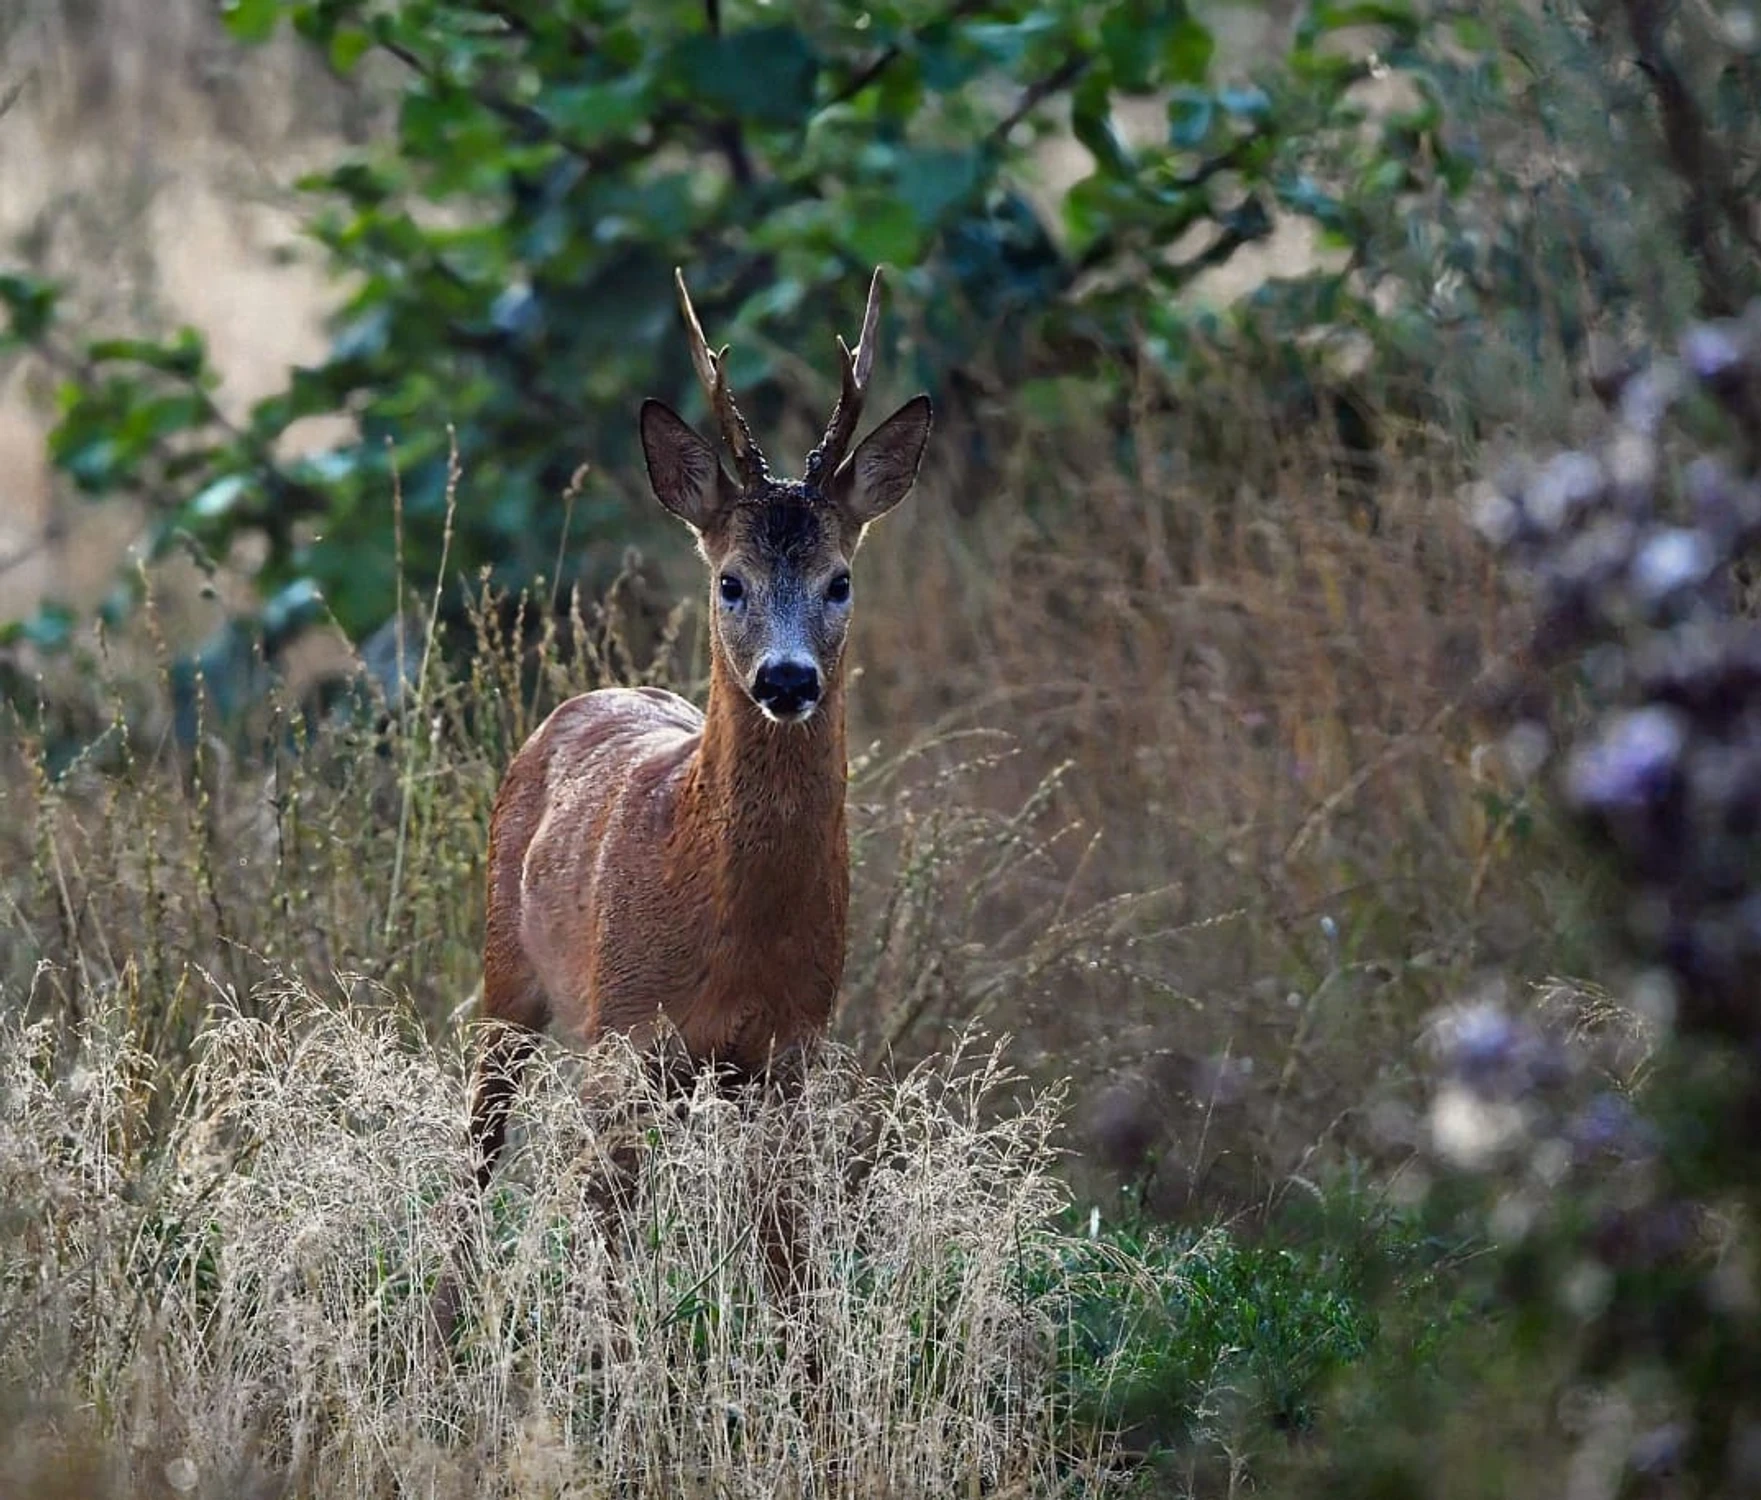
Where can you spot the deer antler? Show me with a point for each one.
(823, 462)
(748, 461)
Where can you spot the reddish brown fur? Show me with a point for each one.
(646, 859)
(649, 860)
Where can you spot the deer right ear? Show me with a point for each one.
(683, 470)
(880, 473)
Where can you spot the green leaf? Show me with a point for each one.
(30, 305)
(123, 597)
(251, 20)
(1305, 196)
(1130, 48)
(592, 112)
(330, 467)
(92, 462)
(184, 354)
(1095, 207)
(944, 64)
(364, 336)
(1326, 16)
(932, 182)
(766, 75)
(1190, 115)
(882, 229)
(1387, 177)
(1091, 120)
(1149, 45)
(1472, 33)
(299, 603)
(1008, 45)
(309, 393)
(50, 628)
(166, 416)
(1187, 52)
(1457, 169)
(1245, 103)
(348, 45)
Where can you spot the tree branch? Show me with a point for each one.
(861, 79)
(276, 480)
(521, 115)
(726, 135)
(534, 124)
(1036, 93)
(890, 54)
(1225, 160)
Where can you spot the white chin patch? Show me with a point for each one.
(800, 717)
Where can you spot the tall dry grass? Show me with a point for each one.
(230, 1201)
(1180, 785)
(263, 1171)
(1269, 720)
(238, 1295)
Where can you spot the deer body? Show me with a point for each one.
(649, 861)
(619, 891)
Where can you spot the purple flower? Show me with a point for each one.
(1672, 559)
(1632, 764)
(1568, 484)
(1608, 1124)
(1492, 1051)
(1713, 355)
(1646, 397)
(1660, 1451)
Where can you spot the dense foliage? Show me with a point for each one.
(507, 247)
(507, 253)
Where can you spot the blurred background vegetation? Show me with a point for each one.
(323, 324)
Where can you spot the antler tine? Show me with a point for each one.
(708, 364)
(824, 460)
(870, 324)
(701, 357)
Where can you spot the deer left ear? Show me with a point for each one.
(880, 473)
(683, 470)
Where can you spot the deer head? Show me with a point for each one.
(779, 550)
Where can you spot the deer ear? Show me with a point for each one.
(683, 470)
(880, 473)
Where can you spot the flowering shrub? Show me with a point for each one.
(1635, 548)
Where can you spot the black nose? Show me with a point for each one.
(786, 687)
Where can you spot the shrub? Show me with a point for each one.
(507, 258)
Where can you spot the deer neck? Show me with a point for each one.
(771, 796)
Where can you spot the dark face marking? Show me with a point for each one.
(788, 531)
(779, 550)
(786, 624)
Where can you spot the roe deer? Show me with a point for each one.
(649, 860)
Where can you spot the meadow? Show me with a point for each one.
(1189, 850)
(240, 995)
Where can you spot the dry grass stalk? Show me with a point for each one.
(243, 1290)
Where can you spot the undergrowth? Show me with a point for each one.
(249, 1287)
(235, 1000)
(243, 1294)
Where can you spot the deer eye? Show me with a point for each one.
(838, 590)
(732, 590)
